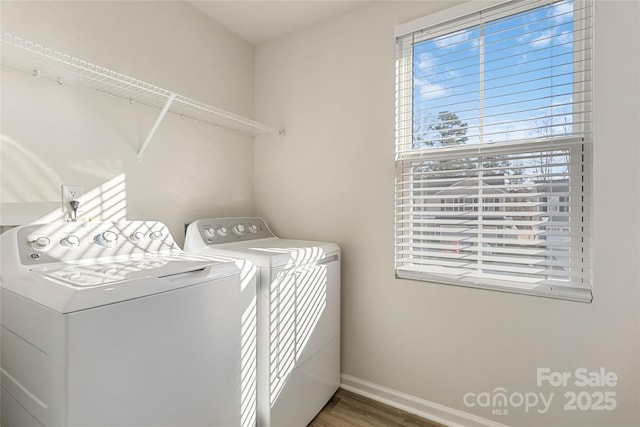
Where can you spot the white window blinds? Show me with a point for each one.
(493, 143)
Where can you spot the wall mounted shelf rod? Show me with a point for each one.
(44, 62)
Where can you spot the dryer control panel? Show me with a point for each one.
(75, 241)
(226, 230)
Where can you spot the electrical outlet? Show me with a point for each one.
(69, 193)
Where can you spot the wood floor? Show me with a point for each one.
(347, 409)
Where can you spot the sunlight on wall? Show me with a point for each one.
(106, 202)
(30, 187)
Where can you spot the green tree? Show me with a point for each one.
(447, 130)
(451, 130)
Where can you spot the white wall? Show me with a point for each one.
(331, 86)
(62, 135)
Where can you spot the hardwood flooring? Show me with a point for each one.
(347, 409)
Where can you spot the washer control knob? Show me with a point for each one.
(155, 235)
(222, 231)
(107, 239)
(70, 241)
(253, 229)
(209, 232)
(136, 236)
(41, 243)
(238, 229)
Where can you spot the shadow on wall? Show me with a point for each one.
(31, 191)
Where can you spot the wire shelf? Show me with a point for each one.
(51, 64)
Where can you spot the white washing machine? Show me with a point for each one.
(111, 324)
(298, 314)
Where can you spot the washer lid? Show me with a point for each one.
(274, 252)
(71, 287)
(109, 272)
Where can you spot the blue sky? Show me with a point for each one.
(528, 76)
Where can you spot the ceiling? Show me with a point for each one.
(261, 21)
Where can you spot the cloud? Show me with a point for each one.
(428, 66)
(565, 37)
(562, 12)
(428, 90)
(542, 40)
(425, 62)
(453, 39)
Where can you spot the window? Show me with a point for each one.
(493, 148)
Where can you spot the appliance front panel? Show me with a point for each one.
(128, 364)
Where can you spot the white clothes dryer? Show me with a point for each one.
(298, 314)
(107, 323)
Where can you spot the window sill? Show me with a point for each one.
(547, 291)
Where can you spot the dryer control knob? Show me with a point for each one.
(222, 231)
(209, 232)
(238, 229)
(107, 239)
(253, 229)
(41, 243)
(155, 235)
(70, 241)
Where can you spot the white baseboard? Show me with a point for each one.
(414, 405)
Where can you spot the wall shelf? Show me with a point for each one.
(51, 64)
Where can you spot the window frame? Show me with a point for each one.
(463, 17)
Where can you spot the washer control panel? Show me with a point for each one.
(75, 241)
(226, 230)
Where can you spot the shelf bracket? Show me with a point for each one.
(163, 112)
